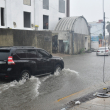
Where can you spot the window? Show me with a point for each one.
(27, 19)
(45, 22)
(43, 53)
(62, 6)
(27, 2)
(21, 53)
(2, 17)
(60, 18)
(46, 4)
(4, 54)
(31, 54)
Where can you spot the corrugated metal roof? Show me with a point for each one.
(67, 23)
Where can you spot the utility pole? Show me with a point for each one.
(105, 42)
(67, 8)
(104, 23)
(104, 26)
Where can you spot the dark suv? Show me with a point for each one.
(22, 62)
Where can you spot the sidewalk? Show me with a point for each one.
(60, 54)
(95, 104)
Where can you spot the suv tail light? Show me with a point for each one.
(98, 51)
(10, 61)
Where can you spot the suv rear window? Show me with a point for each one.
(21, 53)
(4, 54)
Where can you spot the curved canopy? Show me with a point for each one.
(77, 24)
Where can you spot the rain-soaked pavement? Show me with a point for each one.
(81, 71)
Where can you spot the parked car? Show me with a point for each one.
(22, 62)
(103, 51)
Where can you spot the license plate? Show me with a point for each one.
(101, 52)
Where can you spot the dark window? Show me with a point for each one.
(27, 19)
(21, 53)
(45, 22)
(46, 4)
(32, 54)
(43, 53)
(4, 54)
(62, 6)
(2, 17)
(60, 18)
(27, 2)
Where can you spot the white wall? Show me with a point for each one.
(96, 28)
(95, 45)
(14, 13)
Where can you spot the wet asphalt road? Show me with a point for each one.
(42, 93)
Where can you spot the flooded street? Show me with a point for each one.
(81, 71)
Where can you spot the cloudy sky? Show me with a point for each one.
(92, 10)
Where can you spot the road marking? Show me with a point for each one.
(76, 93)
(69, 95)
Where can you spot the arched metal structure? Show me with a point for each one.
(77, 24)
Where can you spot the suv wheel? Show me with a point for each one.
(58, 68)
(25, 74)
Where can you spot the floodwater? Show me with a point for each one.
(16, 95)
(81, 72)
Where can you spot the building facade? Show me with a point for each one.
(96, 30)
(32, 14)
(73, 35)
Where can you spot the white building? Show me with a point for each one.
(28, 14)
(96, 28)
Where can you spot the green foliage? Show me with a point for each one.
(81, 51)
(100, 36)
(108, 22)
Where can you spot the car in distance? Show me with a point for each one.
(22, 62)
(103, 51)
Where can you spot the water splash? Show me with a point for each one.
(47, 77)
(67, 72)
(15, 83)
(11, 84)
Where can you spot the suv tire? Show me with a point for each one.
(57, 68)
(25, 74)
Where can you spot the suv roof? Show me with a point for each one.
(7, 47)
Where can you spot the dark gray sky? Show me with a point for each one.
(92, 10)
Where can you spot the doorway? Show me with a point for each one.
(86, 43)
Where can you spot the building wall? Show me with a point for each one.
(96, 29)
(74, 43)
(94, 45)
(67, 39)
(14, 13)
(79, 43)
(39, 39)
(89, 42)
(6, 37)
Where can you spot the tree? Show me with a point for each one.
(100, 36)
